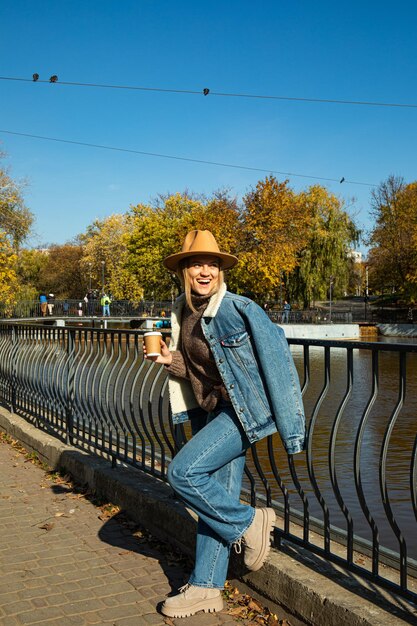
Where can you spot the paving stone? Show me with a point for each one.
(10, 621)
(83, 606)
(14, 608)
(39, 603)
(40, 615)
(118, 612)
(84, 570)
(157, 620)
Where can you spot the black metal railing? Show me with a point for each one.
(74, 308)
(351, 497)
(128, 308)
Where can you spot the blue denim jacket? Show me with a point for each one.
(256, 366)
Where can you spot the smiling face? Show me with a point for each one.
(203, 274)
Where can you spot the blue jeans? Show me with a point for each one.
(207, 474)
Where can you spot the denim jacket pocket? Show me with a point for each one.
(235, 339)
(240, 355)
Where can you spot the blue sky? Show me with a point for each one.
(362, 51)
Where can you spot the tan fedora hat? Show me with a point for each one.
(199, 242)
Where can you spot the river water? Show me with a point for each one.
(400, 447)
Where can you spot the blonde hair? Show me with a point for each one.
(184, 277)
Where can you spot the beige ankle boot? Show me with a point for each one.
(257, 539)
(192, 599)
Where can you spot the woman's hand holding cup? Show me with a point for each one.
(155, 349)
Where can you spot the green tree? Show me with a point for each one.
(159, 230)
(30, 265)
(392, 255)
(15, 218)
(325, 253)
(105, 252)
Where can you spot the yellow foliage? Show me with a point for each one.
(160, 231)
(8, 278)
(275, 226)
(106, 240)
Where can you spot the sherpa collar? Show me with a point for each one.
(211, 311)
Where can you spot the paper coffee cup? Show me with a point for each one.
(152, 341)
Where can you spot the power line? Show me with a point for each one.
(208, 92)
(179, 158)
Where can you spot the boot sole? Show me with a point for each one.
(268, 523)
(207, 606)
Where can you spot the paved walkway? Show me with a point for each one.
(65, 561)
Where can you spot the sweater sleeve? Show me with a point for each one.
(178, 366)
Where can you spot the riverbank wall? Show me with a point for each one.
(321, 331)
(316, 591)
(348, 331)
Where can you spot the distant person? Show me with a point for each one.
(65, 307)
(51, 303)
(80, 309)
(286, 312)
(44, 304)
(166, 323)
(89, 299)
(105, 303)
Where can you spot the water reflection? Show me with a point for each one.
(399, 456)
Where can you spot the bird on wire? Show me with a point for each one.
(53, 79)
(206, 91)
(342, 180)
(35, 77)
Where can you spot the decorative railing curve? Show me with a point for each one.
(93, 388)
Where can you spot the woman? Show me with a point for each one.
(232, 375)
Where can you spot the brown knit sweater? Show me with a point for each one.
(194, 359)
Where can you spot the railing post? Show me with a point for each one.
(69, 417)
(13, 378)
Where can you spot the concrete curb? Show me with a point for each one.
(307, 586)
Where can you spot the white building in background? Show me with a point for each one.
(355, 255)
(359, 271)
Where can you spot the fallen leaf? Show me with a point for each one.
(255, 606)
(59, 514)
(236, 611)
(48, 526)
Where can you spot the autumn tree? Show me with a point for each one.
(392, 255)
(30, 265)
(62, 274)
(274, 228)
(324, 255)
(15, 218)
(15, 223)
(159, 230)
(105, 252)
(8, 278)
